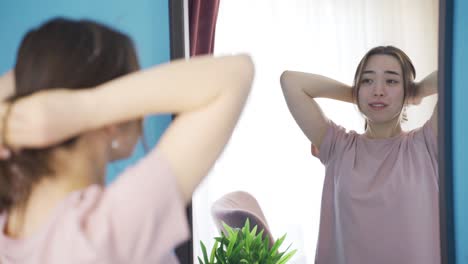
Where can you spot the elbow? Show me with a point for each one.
(248, 67)
(246, 70)
(285, 80)
(284, 77)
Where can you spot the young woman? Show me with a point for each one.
(380, 194)
(77, 104)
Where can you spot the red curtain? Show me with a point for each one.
(202, 17)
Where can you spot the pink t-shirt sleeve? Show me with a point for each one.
(427, 138)
(430, 138)
(334, 141)
(140, 217)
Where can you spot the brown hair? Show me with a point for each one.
(409, 72)
(61, 53)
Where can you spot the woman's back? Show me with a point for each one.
(118, 224)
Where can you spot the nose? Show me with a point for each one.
(379, 89)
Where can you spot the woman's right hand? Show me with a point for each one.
(417, 97)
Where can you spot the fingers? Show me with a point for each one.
(17, 120)
(4, 110)
(16, 126)
(5, 153)
(415, 100)
(9, 134)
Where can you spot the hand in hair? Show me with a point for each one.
(7, 87)
(415, 100)
(37, 120)
(426, 87)
(50, 117)
(204, 92)
(4, 151)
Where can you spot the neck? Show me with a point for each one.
(383, 130)
(24, 220)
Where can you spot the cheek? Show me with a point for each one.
(398, 95)
(363, 94)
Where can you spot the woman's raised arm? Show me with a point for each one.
(300, 89)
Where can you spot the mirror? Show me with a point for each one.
(269, 156)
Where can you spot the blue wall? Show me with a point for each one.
(146, 21)
(460, 128)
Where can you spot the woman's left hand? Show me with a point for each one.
(42, 119)
(417, 97)
(4, 151)
(426, 87)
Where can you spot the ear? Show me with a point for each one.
(122, 138)
(112, 134)
(112, 131)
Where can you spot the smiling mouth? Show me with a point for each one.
(377, 106)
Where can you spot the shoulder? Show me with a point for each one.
(424, 133)
(143, 208)
(423, 138)
(336, 139)
(338, 134)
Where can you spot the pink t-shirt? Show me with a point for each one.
(380, 198)
(140, 218)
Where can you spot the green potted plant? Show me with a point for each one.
(245, 246)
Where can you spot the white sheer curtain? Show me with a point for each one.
(268, 155)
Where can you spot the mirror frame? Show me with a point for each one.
(445, 142)
(179, 44)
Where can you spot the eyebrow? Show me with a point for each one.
(389, 72)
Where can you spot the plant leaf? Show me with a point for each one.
(205, 256)
(213, 252)
(276, 245)
(245, 246)
(287, 257)
(232, 242)
(200, 261)
(228, 229)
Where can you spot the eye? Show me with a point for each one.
(366, 81)
(391, 81)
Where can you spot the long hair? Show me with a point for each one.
(61, 53)
(409, 72)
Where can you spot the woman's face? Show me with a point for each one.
(381, 93)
